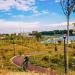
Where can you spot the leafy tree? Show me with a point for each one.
(38, 36)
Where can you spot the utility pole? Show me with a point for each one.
(67, 7)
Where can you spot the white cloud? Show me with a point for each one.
(37, 13)
(12, 26)
(45, 12)
(56, 26)
(42, 0)
(57, 1)
(6, 5)
(24, 5)
(61, 26)
(18, 16)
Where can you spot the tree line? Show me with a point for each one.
(57, 32)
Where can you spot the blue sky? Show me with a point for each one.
(29, 15)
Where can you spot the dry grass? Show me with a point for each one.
(29, 49)
(3, 72)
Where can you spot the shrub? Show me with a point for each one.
(55, 60)
(72, 63)
(46, 58)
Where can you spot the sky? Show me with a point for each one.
(32, 15)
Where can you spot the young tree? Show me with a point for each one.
(67, 7)
(38, 36)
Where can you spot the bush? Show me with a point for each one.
(55, 60)
(74, 47)
(72, 63)
(45, 58)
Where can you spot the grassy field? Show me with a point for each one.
(43, 55)
(2, 72)
(6, 72)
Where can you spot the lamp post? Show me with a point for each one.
(67, 7)
(65, 56)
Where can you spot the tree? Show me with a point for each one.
(38, 36)
(67, 7)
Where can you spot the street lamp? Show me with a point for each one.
(67, 7)
(65, 56)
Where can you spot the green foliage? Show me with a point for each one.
(58, 32)
(72, 63)
(45, 58)
(38, 36)
(40, 60)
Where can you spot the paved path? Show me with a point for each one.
(39, 69)
(18, 60)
